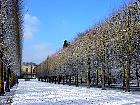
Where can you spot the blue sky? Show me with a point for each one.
(47, 23)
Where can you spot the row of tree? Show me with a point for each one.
(11, 32)
(105, 54)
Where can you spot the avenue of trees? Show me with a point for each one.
(108, 53)
(11, 32)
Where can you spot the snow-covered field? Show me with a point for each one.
(41, 93)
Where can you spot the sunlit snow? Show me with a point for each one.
(41, 93)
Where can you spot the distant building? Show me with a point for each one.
(28, 70)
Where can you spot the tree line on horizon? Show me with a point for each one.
(106, 54)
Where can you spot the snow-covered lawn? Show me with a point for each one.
(41, 93)
(7, 98)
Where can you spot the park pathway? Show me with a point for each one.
(34, 92)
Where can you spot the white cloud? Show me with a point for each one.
(30, 26)
(34, 52)
(38, 52)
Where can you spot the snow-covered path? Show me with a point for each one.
(41, 93)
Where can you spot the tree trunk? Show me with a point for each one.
(7, 88)
(81, 80)
(15, 80)
(45, 79)
(123, 76)
(66, 79)
(70, 80)
(103, 79)
(55, 79)
(12, 79)
(88, 79)
(41, 79)
(59, 79)
(38, 78)
(49, 79)
(97, 77)
(52, 79)
(137, 76)
(108, 77)
(63, 80)
(1, 77)
(128, 76)
(76, 78)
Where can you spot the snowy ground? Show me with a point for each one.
(41, 93)
(7, 98)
